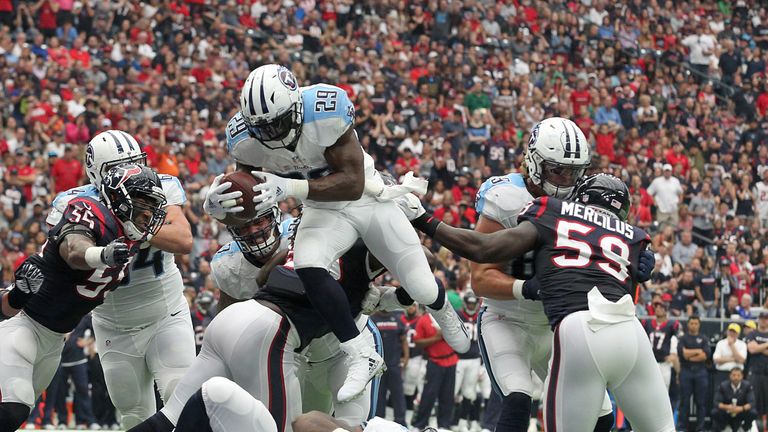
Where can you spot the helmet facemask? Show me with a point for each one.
(142, 215)
(259, 236)
(556, 179)
(283, 131)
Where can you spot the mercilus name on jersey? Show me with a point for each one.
(599, 218)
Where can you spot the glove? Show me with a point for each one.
(275, 188)
(411, 205)
(116, 253)
(29, 278)
(531, 289)
(383, 192)
(217, 203)
(645, 265)
(371, 299)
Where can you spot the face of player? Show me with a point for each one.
(143, 216)
(561, 175)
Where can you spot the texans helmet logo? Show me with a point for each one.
(287, 78)
(126, 173)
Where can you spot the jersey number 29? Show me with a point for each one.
(614, 250)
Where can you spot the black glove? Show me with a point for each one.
(531, 289)
(115, 253)
(645, 265)
(28, 277)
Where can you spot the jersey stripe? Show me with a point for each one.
(484, 355)
(542, 206)
(377, 379)
(554, 374)
(276, 380)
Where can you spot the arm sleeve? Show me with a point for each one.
(501, 199)
(718, 351)
(174, 192)
(233, 274)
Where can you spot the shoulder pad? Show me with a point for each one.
(91, 214)
(236, 131)
(502, 198)
(174, 191)
(536, 208)
(328, 110)
(233, 274)
(59, 204)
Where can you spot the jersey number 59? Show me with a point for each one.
(614, 257)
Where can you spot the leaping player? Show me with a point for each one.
(305, 137)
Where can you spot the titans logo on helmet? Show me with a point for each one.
(89, 156)
(287, 78)
(534, 136)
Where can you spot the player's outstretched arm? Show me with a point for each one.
(490, 280)
(175, 236)
(480, 247)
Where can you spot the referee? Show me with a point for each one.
(757, 346)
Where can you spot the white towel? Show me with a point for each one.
(605, 312)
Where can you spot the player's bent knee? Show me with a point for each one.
(421, 286)
(12, 415)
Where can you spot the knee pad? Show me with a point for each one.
(604, 423)
(12, 415)
(515, 413)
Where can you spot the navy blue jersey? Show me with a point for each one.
(579, 248)
(470, 324)
(284, 288)
(661, 335)
(68, 294)
(392, 330)
(410, 331)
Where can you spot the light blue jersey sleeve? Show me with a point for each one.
(174, 192)
(62, 200)
(328, 112)
(502, 198)
(236, 131)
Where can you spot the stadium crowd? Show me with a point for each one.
(671, 95)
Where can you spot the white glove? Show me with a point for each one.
(217, 203)
(371, 300)
(28, 278)
(275, 188)
(411, 205)
(383, 192)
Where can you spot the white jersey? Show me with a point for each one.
(328, 114)
(153, 288)
(761, 198)
(234, 274)
(501, 199)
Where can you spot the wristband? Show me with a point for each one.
(426, 223)
(93, 256)
(16, 298)
(298, 189)
(517, 288)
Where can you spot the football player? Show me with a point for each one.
(275, 326)
(222, 406)
(515, 339)
(305, 137)
(85, 258)
(586, 260)
(143, 329)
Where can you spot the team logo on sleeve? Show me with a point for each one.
(351, 111)
(287, 78)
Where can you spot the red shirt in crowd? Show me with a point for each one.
(675, 159)
(604, 145)
(24, 171)
(579, 99)
(66, 174)
(439, 352)
(47, 16)
(6, 6)
(762, 103)
(442, 211)
(80, 56)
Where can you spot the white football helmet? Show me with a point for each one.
(558, 155)
(271, 104)
(110, 149)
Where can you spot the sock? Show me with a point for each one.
(193, 417)
(535, 409)
(409, 402)
(438, 304)
(604, 423)
(515, 413)
(12, 415)
(157, 423)
(327, 296)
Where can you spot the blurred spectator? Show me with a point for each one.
(757, 345)
(685, 250)
(666, 192)
(734, 400)
(663, 335)
(745, 306)
(730, 353)
(693, 351)
(67, 172)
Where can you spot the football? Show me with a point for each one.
(244, 182)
